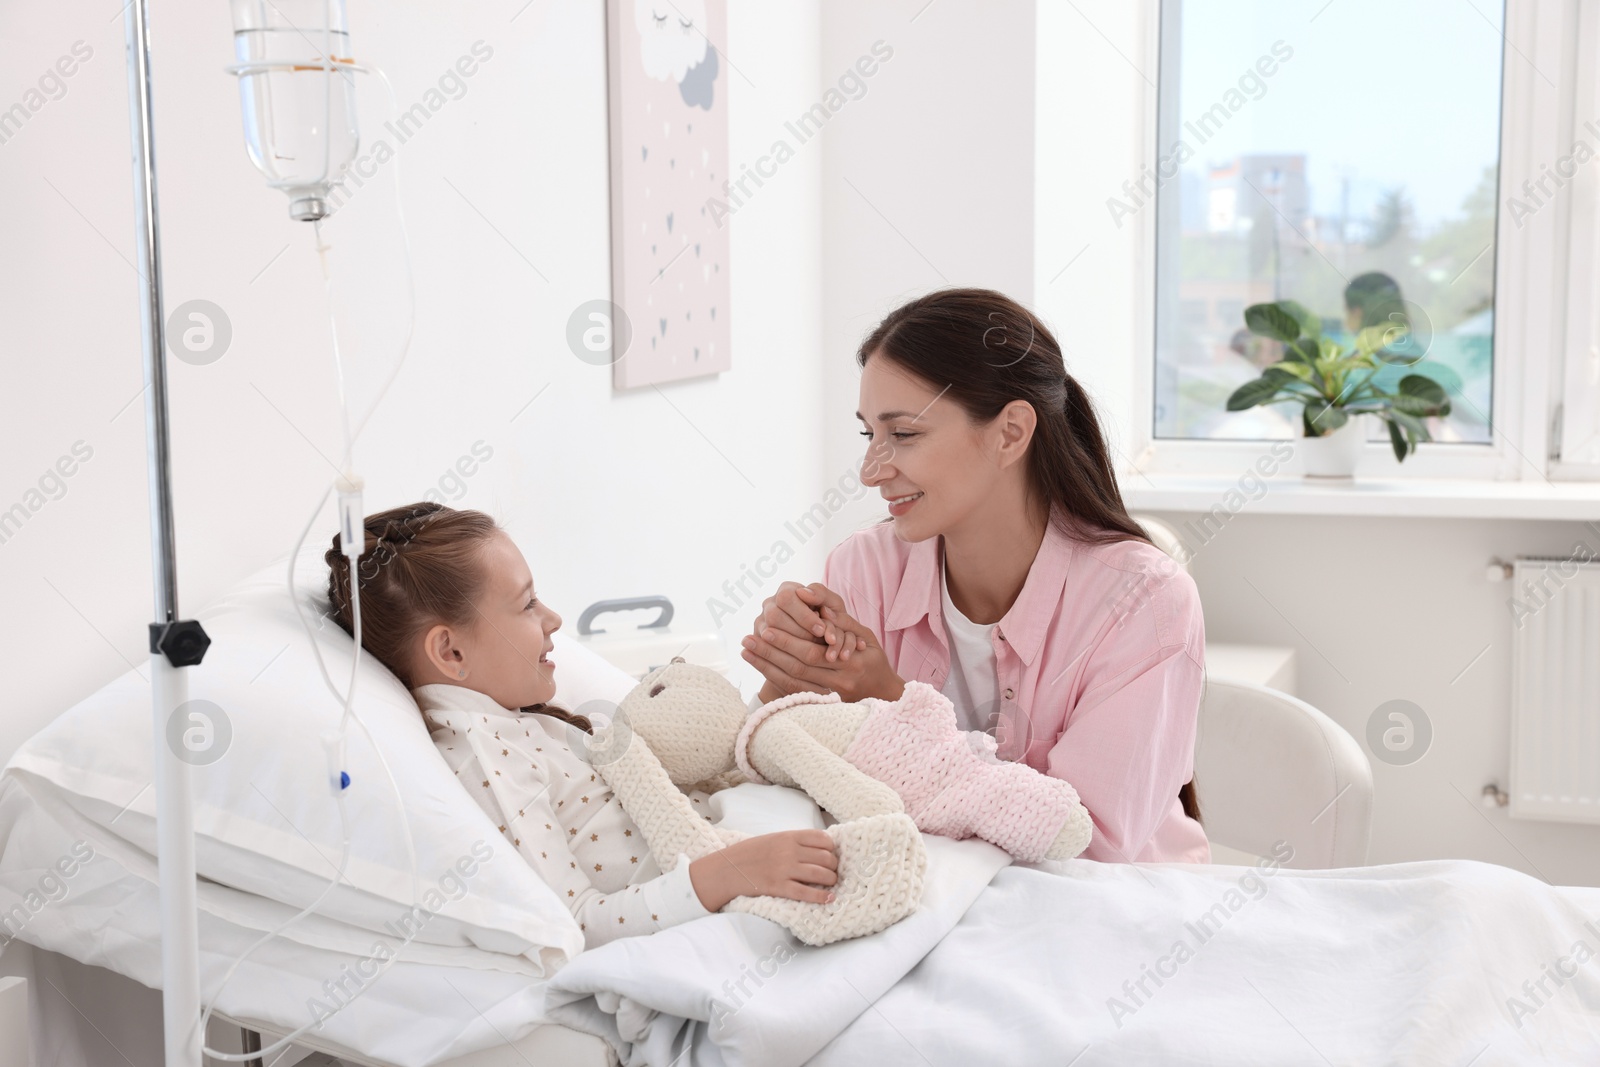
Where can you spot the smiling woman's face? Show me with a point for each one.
(924, 455)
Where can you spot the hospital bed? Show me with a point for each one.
(548, 1046)
(495, 984)
(111, 1017)
(93, 786)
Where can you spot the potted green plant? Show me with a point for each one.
(1333, 385)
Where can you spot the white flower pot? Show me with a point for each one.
(1334, 455)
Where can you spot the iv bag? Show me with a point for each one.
(297, 90)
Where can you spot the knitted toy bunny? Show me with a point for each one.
(870, 764)
(676, 728)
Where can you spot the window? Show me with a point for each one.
(1342, 155)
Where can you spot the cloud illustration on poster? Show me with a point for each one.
(698, 87)
(672, 37)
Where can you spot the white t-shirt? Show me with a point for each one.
(972, 686)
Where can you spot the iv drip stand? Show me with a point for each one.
(174, 643)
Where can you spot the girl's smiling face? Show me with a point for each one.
(503, 652)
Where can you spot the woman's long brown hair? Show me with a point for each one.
(985, 350)
(422, 565)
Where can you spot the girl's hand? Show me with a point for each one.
(790, 864)
(841, 642)
(795, 609)
(792, 664)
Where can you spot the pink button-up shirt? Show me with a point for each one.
(1100, 663)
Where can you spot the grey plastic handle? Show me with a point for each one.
(600, 607)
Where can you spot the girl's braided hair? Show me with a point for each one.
(421, 566)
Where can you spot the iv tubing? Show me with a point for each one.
(347, 698)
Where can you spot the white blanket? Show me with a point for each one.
(740, 989)
(1407, 963)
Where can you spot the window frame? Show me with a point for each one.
(1543, 66)
(1578, 399)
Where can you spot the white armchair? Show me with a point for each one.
(1269, 767)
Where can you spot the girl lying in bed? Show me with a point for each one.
(448, 605)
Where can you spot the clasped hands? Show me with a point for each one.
(805, 641)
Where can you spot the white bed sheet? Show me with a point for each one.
(1411, 963)
(460, 1001)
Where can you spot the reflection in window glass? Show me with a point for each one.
(1342, 155)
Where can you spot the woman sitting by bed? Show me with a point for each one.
(448, 605)
(1008, 575)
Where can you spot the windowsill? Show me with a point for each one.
(1433, 498)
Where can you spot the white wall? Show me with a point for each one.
(608, 494)
(1090, 81)
(927, 182)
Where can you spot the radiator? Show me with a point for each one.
(1555, 690)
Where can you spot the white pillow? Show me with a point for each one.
(265, 818)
